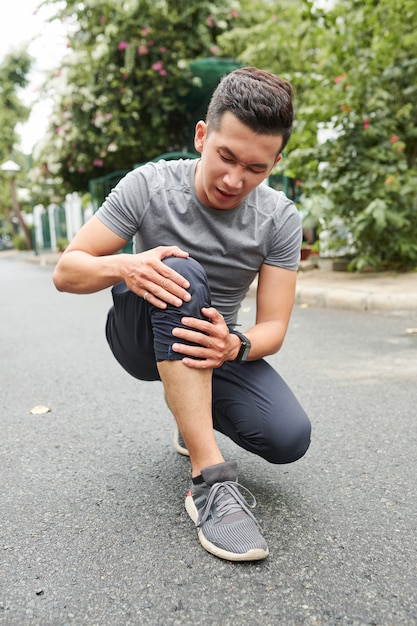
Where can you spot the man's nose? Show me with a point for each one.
(233, 178)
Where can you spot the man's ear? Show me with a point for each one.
(200, 135)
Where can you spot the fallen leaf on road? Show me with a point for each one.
(39, 409)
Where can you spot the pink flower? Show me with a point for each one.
(163, 72)
(145, 31)
(339, 79)
(389, 180)
(157, 67)
(394, 138)
(123, 45)
(108, 116)
(98, 163)
(234, 14)
(162, 50)
(210, 21)
(142, 49)
(214, 49)
(298, 182)
(366, 124)
(103, 19)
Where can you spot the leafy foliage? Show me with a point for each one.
(369, 76)
(120, 96)
(13, 76)
(14, 70)
(123, 93)
(355, 72)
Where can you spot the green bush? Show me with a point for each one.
(120, 96)
(61, 243)
(353, 64)
(19, 242)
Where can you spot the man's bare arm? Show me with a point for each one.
(89, 265)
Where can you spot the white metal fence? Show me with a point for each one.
(56, 224)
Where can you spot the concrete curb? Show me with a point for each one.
(351, 299)
(385, 292)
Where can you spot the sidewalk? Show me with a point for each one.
(385, 291)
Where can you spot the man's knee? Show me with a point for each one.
(165, 320)
(290, 446)
(189, 268)
(199, 288)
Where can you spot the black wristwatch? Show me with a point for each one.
(244, 349)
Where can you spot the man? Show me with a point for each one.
(204, 229)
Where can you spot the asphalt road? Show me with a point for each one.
(93, 529)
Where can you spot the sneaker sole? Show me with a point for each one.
(257, 554)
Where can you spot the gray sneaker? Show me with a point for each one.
(179, 443)
(226, 526)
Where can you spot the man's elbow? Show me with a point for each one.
(57, 280)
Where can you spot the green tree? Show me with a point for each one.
(368, 95)
(13, 76)
(120, 96)
(354, 68)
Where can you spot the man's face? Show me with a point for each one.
(234, 160)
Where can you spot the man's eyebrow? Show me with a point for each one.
(233, 156)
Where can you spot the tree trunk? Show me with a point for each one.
(18, 214)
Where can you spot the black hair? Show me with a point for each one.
(259, 99)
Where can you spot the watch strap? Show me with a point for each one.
(245, 347)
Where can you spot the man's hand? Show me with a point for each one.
(90, 264)
(215, 344)
(146, 275)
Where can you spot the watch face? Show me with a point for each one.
(245, 354)
(244, 349)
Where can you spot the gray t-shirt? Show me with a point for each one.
(158, 206)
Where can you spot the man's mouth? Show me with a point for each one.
(226, 194)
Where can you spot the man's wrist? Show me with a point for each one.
(236, 343)
(244, 347)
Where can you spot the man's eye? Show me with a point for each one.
(226, 159)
